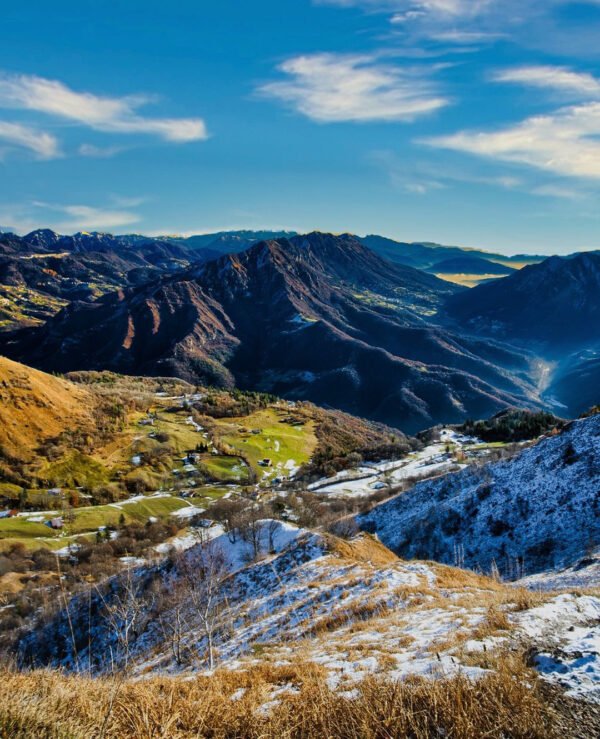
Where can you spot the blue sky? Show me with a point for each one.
(471, 122)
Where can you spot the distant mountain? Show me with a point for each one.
(555, 304)
(536, 511)
(423, 255)
(42, 270)
(469, 266)
(228, 242)
(317, 317)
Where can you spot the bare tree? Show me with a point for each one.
(272, 528)
(204, 573)
(228, 513)
(251, 528)
(127, 611)
(174, 621)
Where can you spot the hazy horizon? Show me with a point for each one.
(207, 232)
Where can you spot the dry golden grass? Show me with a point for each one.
(47, 705)
(35, 406)
(359, 611)
(363, 548)
(451, 578)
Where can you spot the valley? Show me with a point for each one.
(300, 370)
(300, 475)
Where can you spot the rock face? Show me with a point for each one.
(537, 511)
(316, 317)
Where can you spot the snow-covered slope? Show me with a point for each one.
(350, 609)
(537, 511)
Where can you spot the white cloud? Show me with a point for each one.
(88, 218)
(43, 145)
(553, 78)
(558, 191)
(407, 10)
(330, 88)
(530, 23)
(66, 218)
(565, 142)
(99, 152)
(108, 114)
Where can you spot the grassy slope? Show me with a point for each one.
(35, 406)
(225, 469)
(279, 441)
(87, 520)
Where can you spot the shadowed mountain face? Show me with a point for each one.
(553, 309)
(469, 265)
(538, 507)
(42, 271)
(555, 304)
(316, 317)
(424, 255)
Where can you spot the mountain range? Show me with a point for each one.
(318, 317)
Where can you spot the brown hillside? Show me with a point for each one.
(35, 406)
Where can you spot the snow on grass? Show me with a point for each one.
(190, 422)
(583, 574)
(534, 512)
(364, 480)
(188, 512)
(576, 665)
(182, 542)
(568, 628)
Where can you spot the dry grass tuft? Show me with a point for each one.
(452, 578)
(48, 705)
(363, 548)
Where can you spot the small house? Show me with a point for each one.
(266, 462)
(55, 523)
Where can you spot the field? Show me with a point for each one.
(136, 438)
(225, 469)
(22, 306)
(86, 520)
(287, 446)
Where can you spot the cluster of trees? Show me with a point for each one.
(232, 403)
(513, 425)
(345, 441)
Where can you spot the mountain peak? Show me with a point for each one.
(42, 237)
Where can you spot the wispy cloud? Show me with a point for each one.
(99, 152)
(446, 7)
(552, 78)
(559, 191)
(101, 113)
(67, 218)
(88, 218)
(531, 23)
(427, 176)
(565, 142)
(330, 88)
(43, 145)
